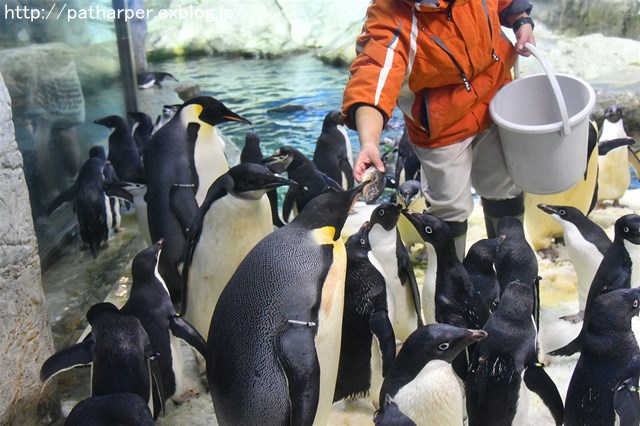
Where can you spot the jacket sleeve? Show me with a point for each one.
(377, 73)
(508, 8)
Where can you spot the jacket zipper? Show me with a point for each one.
(463, 75)
(486, 11)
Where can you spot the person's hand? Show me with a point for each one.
(524, 35)
(368, 155)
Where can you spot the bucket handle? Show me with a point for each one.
(566, 129)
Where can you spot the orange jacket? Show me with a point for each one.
(442, 62)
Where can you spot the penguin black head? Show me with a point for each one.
(145, 264)
(408, 191)
(97, 151)
(613, 114)
(332, 119)
(328, 210)
(613, 310)
(563, 212)
(440, 341)
(283, 158)
(510, 225)
(251, 181)
(111, 122)
(141, 117)
(386, 215)
(212, 111)
(390, 415)
(516, 300)
(483, 252)
(358, 245)
(99, 309)
(627, 228)
(431, 229)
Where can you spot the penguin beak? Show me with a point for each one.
(159, 244)
(412, 217)
(548, 208)
(278, 181)
(232, 116)
(278, 163)
(476, 335)
(355, 194)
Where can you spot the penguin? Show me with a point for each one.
(407, 162)
(604, 385)
(403, 296)
(618, 269)
(272, 353)
(111, 178)
(234, 217)
(390, 415)
(479, 264)
(147, 80)
(123, 152)
(421, 380)
(333, 153)
(252, 153)
(150, 302)
(368, 341)
(114, 409)
(141, 130)
(311, 181)
(505, 361)
(614, 176)
(168, 111)
(91, 203)
(409, 195)
(183, 158)
(541, 228)
(586, 243)
(120, 355)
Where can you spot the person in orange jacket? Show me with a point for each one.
(441, 62)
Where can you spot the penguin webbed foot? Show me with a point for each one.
(575, 318)
(548, 254)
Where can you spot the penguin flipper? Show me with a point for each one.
(569, 349)
(626, 402)
(287, 205)
(80, 354)
(64, 197)
(538, 381)
(381, 327)
(118, 192)
(331, 184)
(181, 329)
(302, 370)
(157, 387)
(182, 200)
(407, 275)
(604, 147)
(273, 201)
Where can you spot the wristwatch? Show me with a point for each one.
(520, 22)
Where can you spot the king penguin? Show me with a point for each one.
(333, 154)
(235, 216)
(586, 243)
(274, 337)
(614, 176)
(620, 268)
(123, 152)
(421, 380)
(183, 159)
(604, 385)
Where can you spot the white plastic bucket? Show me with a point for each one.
(543, 121)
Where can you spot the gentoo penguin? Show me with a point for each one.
(604, 386)
(111, 178)
(252, 153)
(390, 415)
(90, 202)
(150, 302)
(311, 181)
(409, 195)
(183, 158)
(168, 111)
(479, 264)
(614, 176)
(407, 162)
(505, 361)
(114, 409)
(123, 152)
(421, 380)
(403, 296)
(333, 154)
(586, 243)
(120, 355)
(146, 80)
(234, 216)
(364, 360)
(541, 228)
(272, 348)
(448, 295)
(619, 269)
(141, 130)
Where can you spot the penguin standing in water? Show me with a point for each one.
(587, 243)
(113, 409)
(272, 348)
(182, 161)
(363, 359)
(421, 380)
(234, 217)
(506, 361)
(604, 385)
(150, 302)
(120, 355)
(333, 154)
(123, 152)
(311, 181)
(141, 130)
(620, 268)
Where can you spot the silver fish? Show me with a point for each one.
(375, 184)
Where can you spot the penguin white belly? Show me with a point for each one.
(230, 229)
(433, 397)
(614, 176)
(376, 372)
(329, 335)
(586, 259)
(177, 365)
(522, 408)
(347, 142)
(429, 287)
(108, 214)
(634, 255)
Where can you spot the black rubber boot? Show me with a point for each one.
(494, 210)
(459, 231)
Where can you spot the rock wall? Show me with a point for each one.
(25, 337)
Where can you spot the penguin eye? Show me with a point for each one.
(381, 212)
(428, 229)
(362, 241)
(635, 303)
(625, 229)
(443, 346)
(562, 212)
